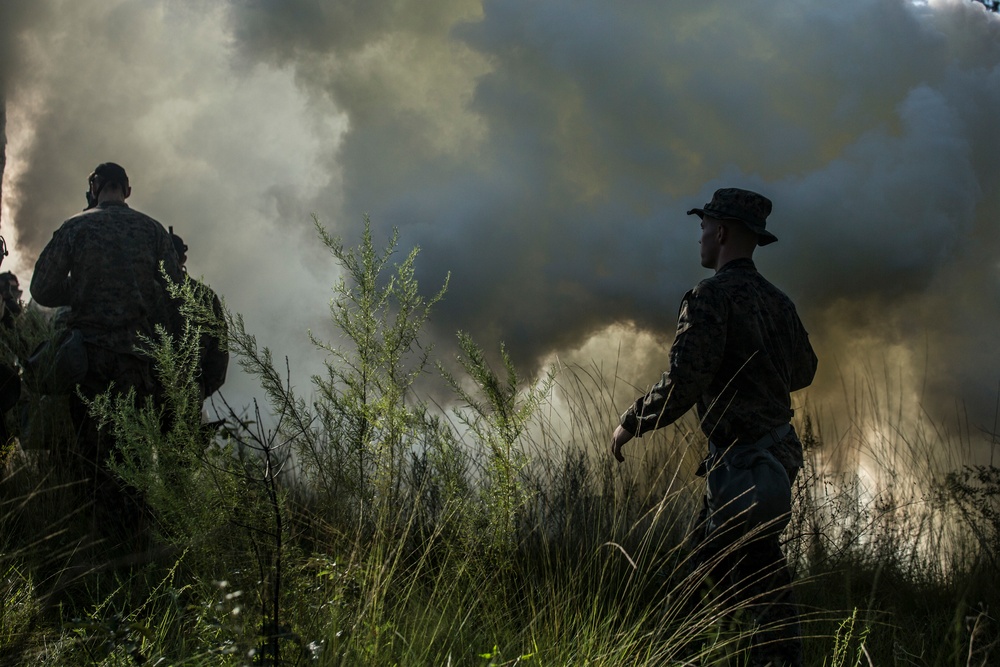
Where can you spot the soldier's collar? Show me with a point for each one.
(741, 264)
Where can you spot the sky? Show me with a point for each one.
(543, 154)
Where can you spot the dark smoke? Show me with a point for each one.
(544, 154)
(223, 151)
(3, 146)
(16, 16)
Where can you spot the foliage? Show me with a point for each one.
(364, 525)
(189, 478)
(366, 424)
(498, 422)
(975, 490)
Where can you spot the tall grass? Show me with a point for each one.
(363, 525)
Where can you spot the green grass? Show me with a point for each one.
(362, 525)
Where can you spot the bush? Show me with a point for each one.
(363, 525)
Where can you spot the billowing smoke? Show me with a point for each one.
(3, 146)
(544, 154)
(16, 16)
(224, 152)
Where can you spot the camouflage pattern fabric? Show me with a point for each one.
(104, 267)
(214, 342)
(746, 206)
(739, 351)
(119, 512)
(104, 264)
(755, 575)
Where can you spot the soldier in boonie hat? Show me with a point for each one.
(739, 352)
(746, 206)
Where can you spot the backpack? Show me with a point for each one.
(57, 365)
(214, 353)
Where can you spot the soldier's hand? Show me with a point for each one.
(618, 440)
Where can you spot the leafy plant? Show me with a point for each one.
(498, 420)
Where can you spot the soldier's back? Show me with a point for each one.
(115, 287)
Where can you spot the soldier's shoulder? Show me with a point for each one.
(775, 291)
(137, 222)
(68, 229)
(78, 219)
(744, 280)
(710, 292)
(97, 214)
(134, 214)
(156, 224)
(144, 216)
(711, 287)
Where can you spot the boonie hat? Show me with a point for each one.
(746, 206)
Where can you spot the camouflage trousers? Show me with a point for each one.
(107, 369)
(755, 579)
(117, 507)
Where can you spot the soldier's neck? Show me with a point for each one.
(731, 256)
(111, 195)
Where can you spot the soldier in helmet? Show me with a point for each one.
(214, 358)
(10, 295)
(104, 264)
(738, 353)
(10, 380)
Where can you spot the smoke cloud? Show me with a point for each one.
(545, 154)
(15, 18)
(224, 152)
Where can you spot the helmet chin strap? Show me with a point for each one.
(100, 188)
(92, 195)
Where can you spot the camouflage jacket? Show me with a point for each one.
(104, 264)
(739, 351)
(214, 361)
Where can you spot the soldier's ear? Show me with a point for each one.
(128, 191)
(722, 232)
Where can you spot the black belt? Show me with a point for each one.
(769, 439)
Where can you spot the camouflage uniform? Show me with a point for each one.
(104, 264)
(739, 350)
(214, 353)
(10, 380)
(214, 359)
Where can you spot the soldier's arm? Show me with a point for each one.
(50, 285)
(695, 357)
(618, 440)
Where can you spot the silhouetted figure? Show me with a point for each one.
(10, 379)
(214, 358)
(104, 264)
(739, 351)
